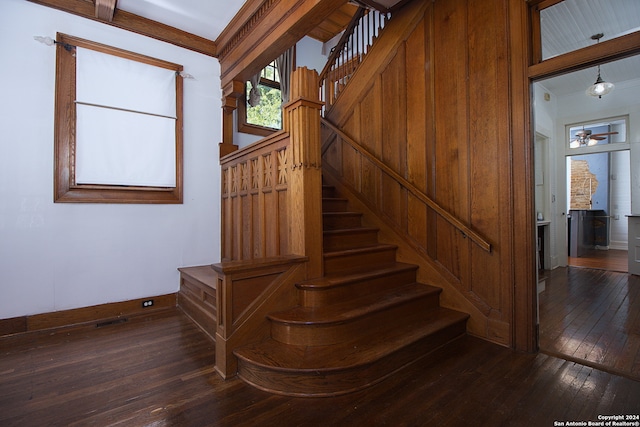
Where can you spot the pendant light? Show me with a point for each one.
(600, 87)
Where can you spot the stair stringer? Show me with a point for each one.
(429, 271)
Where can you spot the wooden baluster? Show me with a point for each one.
(302, 121)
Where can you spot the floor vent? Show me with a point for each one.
(111, 322)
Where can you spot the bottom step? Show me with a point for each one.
(316, 371)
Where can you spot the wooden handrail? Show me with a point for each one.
(464, 229)
(356, 41)
(343, 40)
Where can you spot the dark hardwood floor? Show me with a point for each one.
(592, 316)
(158, 371)
(612, 260)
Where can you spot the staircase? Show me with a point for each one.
(366, 319)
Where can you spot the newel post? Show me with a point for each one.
(302, 121)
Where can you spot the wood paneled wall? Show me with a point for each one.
(434, 101)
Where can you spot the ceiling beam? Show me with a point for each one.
(263, 29)
(135, 23)
(105, 9)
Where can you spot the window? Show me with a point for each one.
(260, 110)
(118, 124)
(602, 132)
(266, 112)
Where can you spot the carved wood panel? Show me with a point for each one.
(254, 201)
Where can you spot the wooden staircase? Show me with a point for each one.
(364, 320)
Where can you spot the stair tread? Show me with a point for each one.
(378, 247)
(344, 213)
(345, 311)
(349, 230)
(339, 279)
(359, 351)
(202, 273)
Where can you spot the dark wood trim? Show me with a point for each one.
(14, 325)
(543, 4)
(65, 188)
(523, 227)
(606, 51)
(86, 315)
(136, 24)
(105, 9)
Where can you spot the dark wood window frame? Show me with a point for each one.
(65, 187)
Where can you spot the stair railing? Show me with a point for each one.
(416, 192)
(355, 43)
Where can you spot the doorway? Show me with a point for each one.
(598, 203)
(585, 295)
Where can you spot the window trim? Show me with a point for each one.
(65, 187)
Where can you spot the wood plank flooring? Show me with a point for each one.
(592, 316)
(613, 260)
(158, 371)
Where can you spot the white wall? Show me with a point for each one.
(63, 256)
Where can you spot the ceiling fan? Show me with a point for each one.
(585, 138)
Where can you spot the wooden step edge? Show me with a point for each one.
(354, 309)
(337, 280)
(203, 274)
(342, 213)
(350, 230)
(322, 384)
(380, 247)
(352, 354)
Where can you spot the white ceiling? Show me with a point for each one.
(205, 18)
(569, 26)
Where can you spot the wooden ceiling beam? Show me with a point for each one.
(105, 9)
(263, 29)
(134, 23)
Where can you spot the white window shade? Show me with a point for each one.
(125, 122)
(113, 81)
(116, 147)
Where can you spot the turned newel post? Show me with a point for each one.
(302, 121)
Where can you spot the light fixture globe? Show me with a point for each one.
(600, 87)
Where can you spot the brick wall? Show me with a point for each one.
(583, 185)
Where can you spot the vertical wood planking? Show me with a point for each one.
(417, 161)
(488, 137)
(451, 95)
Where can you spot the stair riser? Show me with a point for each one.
(318, 297)
(337, 222)
(334, 205)
(303, 383)
(328, 192)
(359, 260)
(353, 239)
(371, 323)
